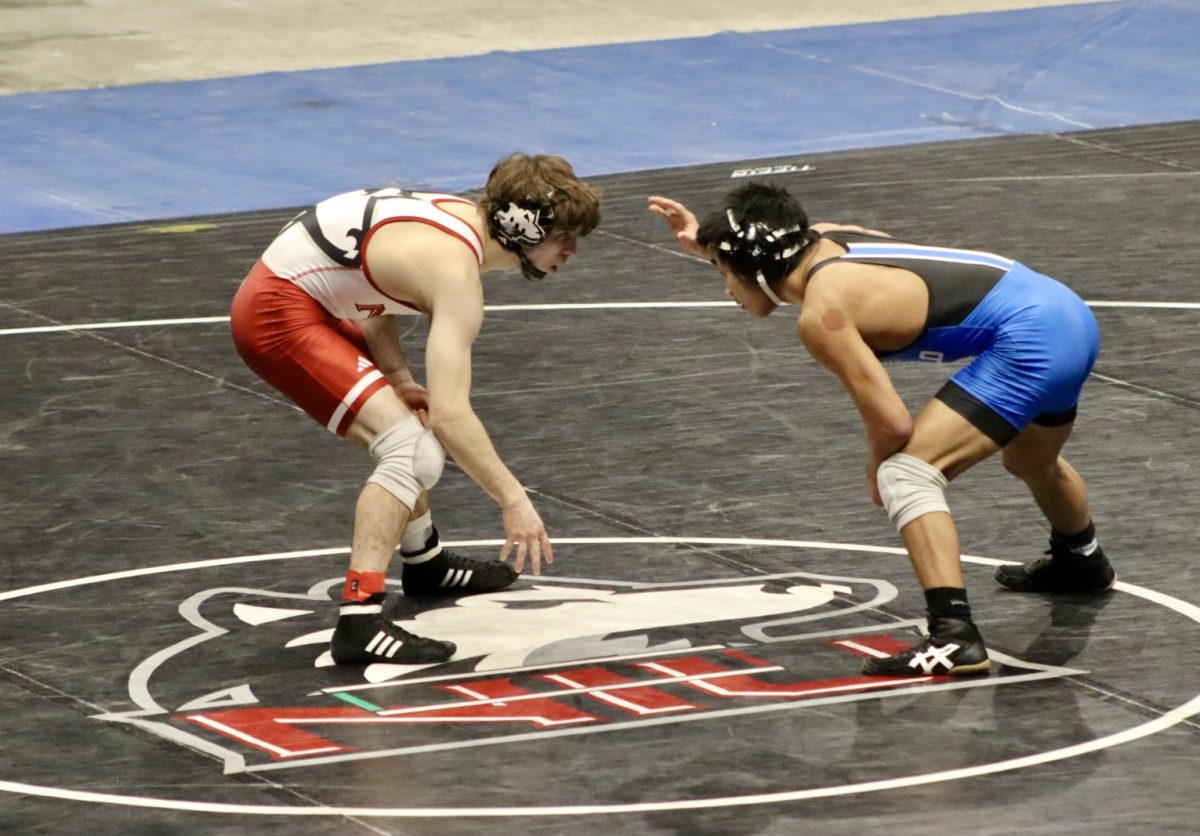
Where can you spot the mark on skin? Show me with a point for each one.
(833, 320)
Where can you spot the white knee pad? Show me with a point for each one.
(911, 488)
(408, 460)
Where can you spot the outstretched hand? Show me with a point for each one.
(683, 223)
(523, 528)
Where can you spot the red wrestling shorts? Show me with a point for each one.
(319, 361)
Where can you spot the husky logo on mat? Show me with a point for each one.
(541, 624)
(249, 680)
(545, 624)
(262, 641)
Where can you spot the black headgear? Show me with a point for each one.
(521, 225)
(758, 253)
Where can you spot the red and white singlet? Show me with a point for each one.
(292, 318)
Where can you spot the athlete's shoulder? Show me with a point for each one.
(837, 230)
(364, 194)
(438, 198)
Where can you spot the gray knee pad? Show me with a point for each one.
(408, 460)
(910, 488)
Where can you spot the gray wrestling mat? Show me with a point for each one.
(174, 534)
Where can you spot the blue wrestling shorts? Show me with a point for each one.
(1042, 341)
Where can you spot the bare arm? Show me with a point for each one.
(828, 330)
(439, 275)
(452, 333)
(382, 334)
(457, 317)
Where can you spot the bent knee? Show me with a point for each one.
(408, 460)
(1029, 468)
(910, 489)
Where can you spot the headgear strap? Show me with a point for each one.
(766, 288)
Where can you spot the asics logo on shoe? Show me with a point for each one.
(929, 659)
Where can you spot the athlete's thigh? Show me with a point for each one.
(1036, 447)
(947, 440)
(319, 362)
(380, 411)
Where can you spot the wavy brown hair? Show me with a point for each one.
(544, 179)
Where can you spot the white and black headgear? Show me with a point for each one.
(520, 226)
(757, 250)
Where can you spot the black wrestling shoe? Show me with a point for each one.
(364, 635)
(953, 647)
(1063, 571)
(448, 573)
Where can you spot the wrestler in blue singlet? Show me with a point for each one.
(1034, 341)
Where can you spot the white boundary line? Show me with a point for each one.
(563, 306)
(1163, 722)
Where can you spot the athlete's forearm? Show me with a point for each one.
(465, 439)
(382, 335)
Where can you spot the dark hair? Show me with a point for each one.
(761, 229)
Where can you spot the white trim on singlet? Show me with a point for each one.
(917, 252)
(351, 396)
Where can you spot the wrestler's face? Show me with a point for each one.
(750, 299)
(554, 251)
